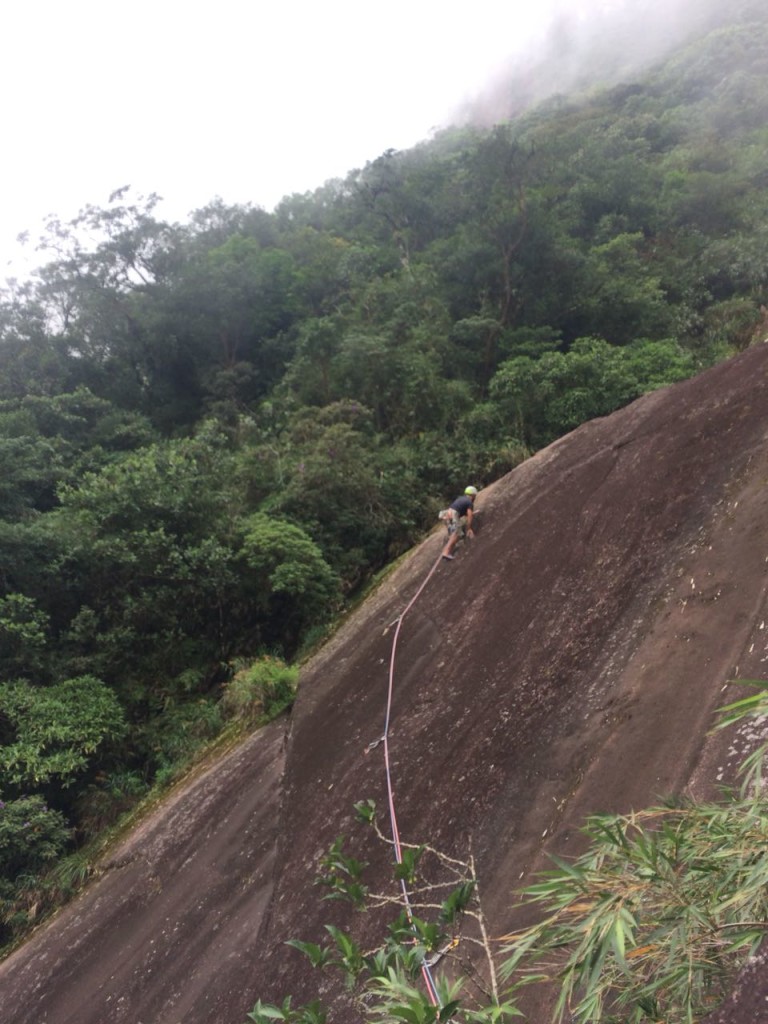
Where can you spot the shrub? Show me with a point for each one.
(55, 730)
(171, 738)
(31, 835)
(111, 795)
(260, 691)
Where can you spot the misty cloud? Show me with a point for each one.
(590, 45)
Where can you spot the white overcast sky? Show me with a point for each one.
(243, 99)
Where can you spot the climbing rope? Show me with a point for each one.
(425, 969)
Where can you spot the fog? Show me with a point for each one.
(198, 100)
(584, 46)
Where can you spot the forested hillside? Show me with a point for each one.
(213, 434)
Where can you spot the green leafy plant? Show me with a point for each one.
(176, 734)
(261, 690)
(32, 837)
(54, 730)
(652, 922)
(312, 1013)
(443, 915)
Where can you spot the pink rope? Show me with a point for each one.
(426, 973)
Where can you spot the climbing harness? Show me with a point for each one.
(384, 738)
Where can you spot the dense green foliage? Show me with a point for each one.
(212, 434)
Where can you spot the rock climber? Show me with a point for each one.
(458, 519)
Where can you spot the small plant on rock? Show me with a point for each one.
(260, 690)
(439, 921)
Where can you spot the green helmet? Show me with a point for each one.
(470, 490)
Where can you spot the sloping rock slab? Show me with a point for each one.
(569, 661)
(166, 932)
